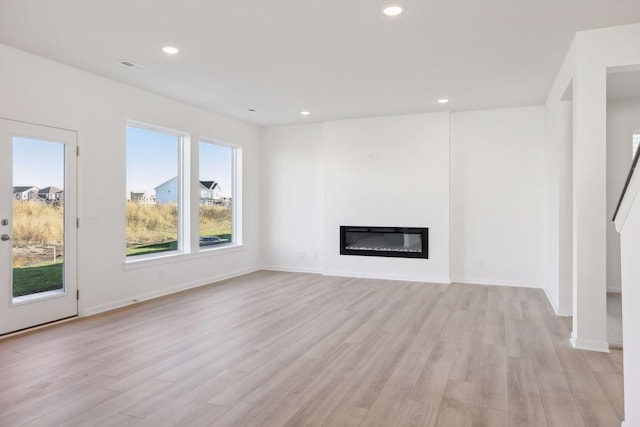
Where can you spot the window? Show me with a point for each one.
(217, 165)
(159, 200)
(154, 189)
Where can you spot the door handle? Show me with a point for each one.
(5, 237)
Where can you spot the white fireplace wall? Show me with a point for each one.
(400, 166)
(387, 171)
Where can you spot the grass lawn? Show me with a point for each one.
(37, 278)
(150, 249)
(164, 247)
(48, 276)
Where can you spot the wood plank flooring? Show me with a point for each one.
(288, 349)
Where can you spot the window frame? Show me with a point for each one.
(183, 166)
(236, 196)
(188, 200)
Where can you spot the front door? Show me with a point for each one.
(37, 225)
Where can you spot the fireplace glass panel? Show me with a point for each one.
(406, 242)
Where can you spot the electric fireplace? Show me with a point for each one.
(403, 242)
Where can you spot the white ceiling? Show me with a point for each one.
(335, 59)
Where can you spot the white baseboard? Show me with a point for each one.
(591, 345)
(553, 303)
(494, 282)
(559, 310)
(134, 299)
(292, 269)
(564, 311)
(399, 277)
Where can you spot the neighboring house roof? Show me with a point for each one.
(49, 190)
(209, 185)
(22, 189)
(166, 182)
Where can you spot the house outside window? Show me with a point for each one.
(159, 199)
(154, 209)
(218, 187)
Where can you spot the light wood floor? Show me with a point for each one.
(285, 349)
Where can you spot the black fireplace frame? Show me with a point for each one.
(423, 232)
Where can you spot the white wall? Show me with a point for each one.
(390, 171)
(559, 205)
(292, 198)
(36, 90)
(628, 224)
(559, 188)
(623, 118)
(395, 171)
(497, 196)
(591, 53)
(387, 171)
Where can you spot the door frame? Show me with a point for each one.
(38, 309)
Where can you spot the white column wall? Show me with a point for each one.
(589, 204)
(559, 189)
(591, 53)
(565, 191)
(558, 205)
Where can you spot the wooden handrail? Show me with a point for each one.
(626, 184)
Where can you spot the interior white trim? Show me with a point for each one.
(136, 262)
(292, 269)
(494, 282)
(402, 278)
(89, 311)
(591, 345)
(560, 311)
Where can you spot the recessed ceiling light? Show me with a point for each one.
(253, 110)
(305, 113)
(170, 50)
(392, 9)
(443, 101)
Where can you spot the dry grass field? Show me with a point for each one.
(37, 223)
(38, 230)
(150, 224)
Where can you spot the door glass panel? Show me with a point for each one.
(38, 217)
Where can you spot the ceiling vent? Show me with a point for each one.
(130, 64)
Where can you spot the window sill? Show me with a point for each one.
(171, 257)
